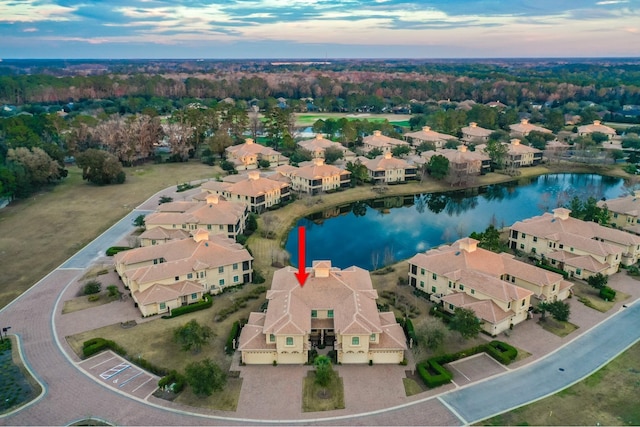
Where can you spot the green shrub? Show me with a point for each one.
(113, 291)
(96, 345)
(501, 351)
(433, 374)
(173, 380)
(92, 287)
(206, 302)
(115, 249)
(93, 298)
(607, 293)
(409, 330)
(555, 270)
(233, 334)
(257, 278)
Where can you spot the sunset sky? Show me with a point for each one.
(318, 28)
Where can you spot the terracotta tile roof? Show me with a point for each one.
(486, 310)
(319, 143)
(457, 155)
(213, 211)
(475, 131)
(251, 185)
(318, 170)
(628, 205)
(386, 162)
(162, 293)
(252, 337)
(515, 148)
(596, 127)
(524, 127)
(378, 140)
(584, 262)
(161, 233)
(249, 148)
(426, 134)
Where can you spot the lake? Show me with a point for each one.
(378, 232)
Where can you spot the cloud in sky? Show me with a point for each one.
(318, 28)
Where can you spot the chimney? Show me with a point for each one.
(253, 175)
(524, 121)
(318, 161)
(426, 128)
(561, 213)
(213, 199)
(201, 235)
(321, 268)
(319, 136)
(377, 133)
(596, 122)
(462, 148)
(468, 244)
(515, 141)
(387, 155)
(473, 124)
(249, 141)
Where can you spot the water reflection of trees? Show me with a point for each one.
(460, 203)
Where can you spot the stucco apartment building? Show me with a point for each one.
(427, 135)
(257, 192)
(497, 287)
(316, 177)
(179, 272)
(475, 134)
(214, 214)
(462, 160)
(581, 248)
(524, 128)
(319, 144)
(334, 307)
(389, 169)
(597, 126)
(624, 212)
(247, 155)
(518, 155)
(381, 142)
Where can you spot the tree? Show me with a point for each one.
(205, 377)
(359, 173)
(560, 310)
(192, 336)
(438, 166)
(430, 335)
(100, 167)
(40, 169)
(333, 154)
(554, 120)
(400, 150)
(139, 221)
(497, 152)
(264, 164)
(373, 153)
(425, 146)
(324, 371)
(598, 280)
(465, 322)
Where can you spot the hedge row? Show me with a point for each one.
(115, 249)
(607, 293)
(434, 374)
(200, 305)
(233, 334)
(555, 270)
(409, 331)
(96, 345)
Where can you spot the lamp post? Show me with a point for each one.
(5, 329)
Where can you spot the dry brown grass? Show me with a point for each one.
(40, 233)
(590, 297)
(224, 400)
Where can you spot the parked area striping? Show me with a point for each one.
(474, 368)
(120, 374)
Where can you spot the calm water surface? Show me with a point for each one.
(377, 232)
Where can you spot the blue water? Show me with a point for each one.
(373, 237)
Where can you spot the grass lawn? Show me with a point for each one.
(608, 397)
(561, 329)
(224, 400)
(590, 297)
(411, 387)
(308, 119)
(66, 217)
(316, 398)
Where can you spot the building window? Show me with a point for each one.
(372, 337)
(422, 271)
(221, 269)
(578, 271)
(163, 306)
(272, 338)
(571, 249)
(189, 275)
(522, 303)
(155, 261)
(434, 276)
(535, 239)
(314, 314)
(194, 296)
(221, 282)
(524, 235)
(355, 340)
(561, 246)
(533, 250)
(473, 291)
(236, 279)
(177, 278)
(235, 266)
(450, 306)
(289, 341)
(208, 226)
(330, 314)
(450, 284)
(433, 289)
(421, 284)
(221, 227)
(509, 304)
(615, 215)
(461, 287)
(521, 245)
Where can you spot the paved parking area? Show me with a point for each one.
(474, 368)
(120, 374)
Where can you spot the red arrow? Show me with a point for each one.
(302, 274)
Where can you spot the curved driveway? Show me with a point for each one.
(69, 394)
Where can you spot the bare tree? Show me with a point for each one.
(178, 138)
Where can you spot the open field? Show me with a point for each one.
(39, 233)
(608, 397)
(308, 119)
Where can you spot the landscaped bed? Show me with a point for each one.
(317, 398)
(16, 385)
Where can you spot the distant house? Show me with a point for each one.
(177, 273)
(258, 193)
(475, 134)
(319, 144)
(215, 215)
(524, 128)
(624, 212)
(581, 248)
(462, 160)
(335, 308)
(428, 135)
(597, 126)
(381, 142)
(496, 104)
(518, 155)
(389, 169)
(246, 156)
(316, 177)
